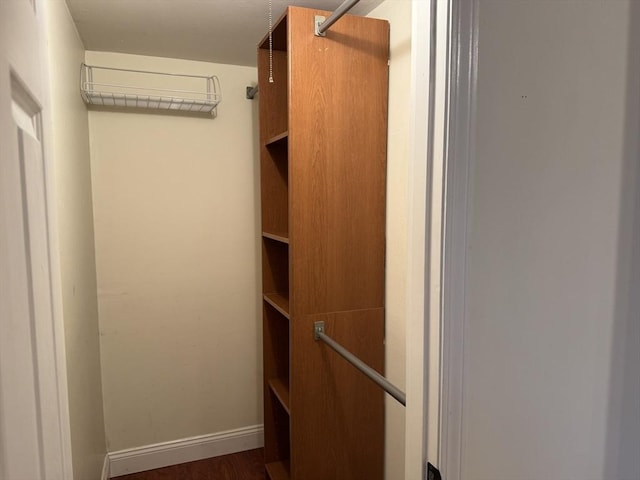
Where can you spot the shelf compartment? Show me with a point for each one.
(282, 237)
(279, 138)
(128, 88)
(276, 344)
(279, 470)
(278, 34)
(280, 388)
(277, 443)
(276, 335)
(274, 183)
(274, 118)
(278, 301)
(275, 267)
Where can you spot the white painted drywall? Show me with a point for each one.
(177, 229)
(398, 13)
(552, 348)
(70, 147)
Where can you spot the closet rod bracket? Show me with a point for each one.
(251, 92)
(318, 328)
(322, 25)
(317, 21)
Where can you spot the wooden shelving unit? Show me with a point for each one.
(323, 129)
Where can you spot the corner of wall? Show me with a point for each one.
(76, 249)
(106, 468)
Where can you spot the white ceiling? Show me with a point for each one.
(221, 31)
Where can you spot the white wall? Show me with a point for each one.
(70, 143)
(398, 13)
(177, 229)
(552, 347)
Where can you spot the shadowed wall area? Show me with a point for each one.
(623, 432)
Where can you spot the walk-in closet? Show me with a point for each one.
(232, 197)
(319, 239)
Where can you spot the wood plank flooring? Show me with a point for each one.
(247, 465)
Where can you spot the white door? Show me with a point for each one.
(32, 422)
(542, 335)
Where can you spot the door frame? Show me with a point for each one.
(458, 215)
(429, 130)
(63, 409)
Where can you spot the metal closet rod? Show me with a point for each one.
(390, 388)
(320, 29)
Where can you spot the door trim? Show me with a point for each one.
(64, 420)
(457, 222)
(428, 131)
(417, 242)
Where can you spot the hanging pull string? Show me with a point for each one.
(270, 41)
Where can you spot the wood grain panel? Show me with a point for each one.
(337, 414)
(337, 162)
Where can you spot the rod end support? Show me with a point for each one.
(251, 92)
(318, 328)
(317, 21)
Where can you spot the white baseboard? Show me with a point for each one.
(164, 454)
(106, 474)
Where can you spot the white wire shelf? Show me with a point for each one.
(119, 87)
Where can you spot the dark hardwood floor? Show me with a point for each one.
(247, 465)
